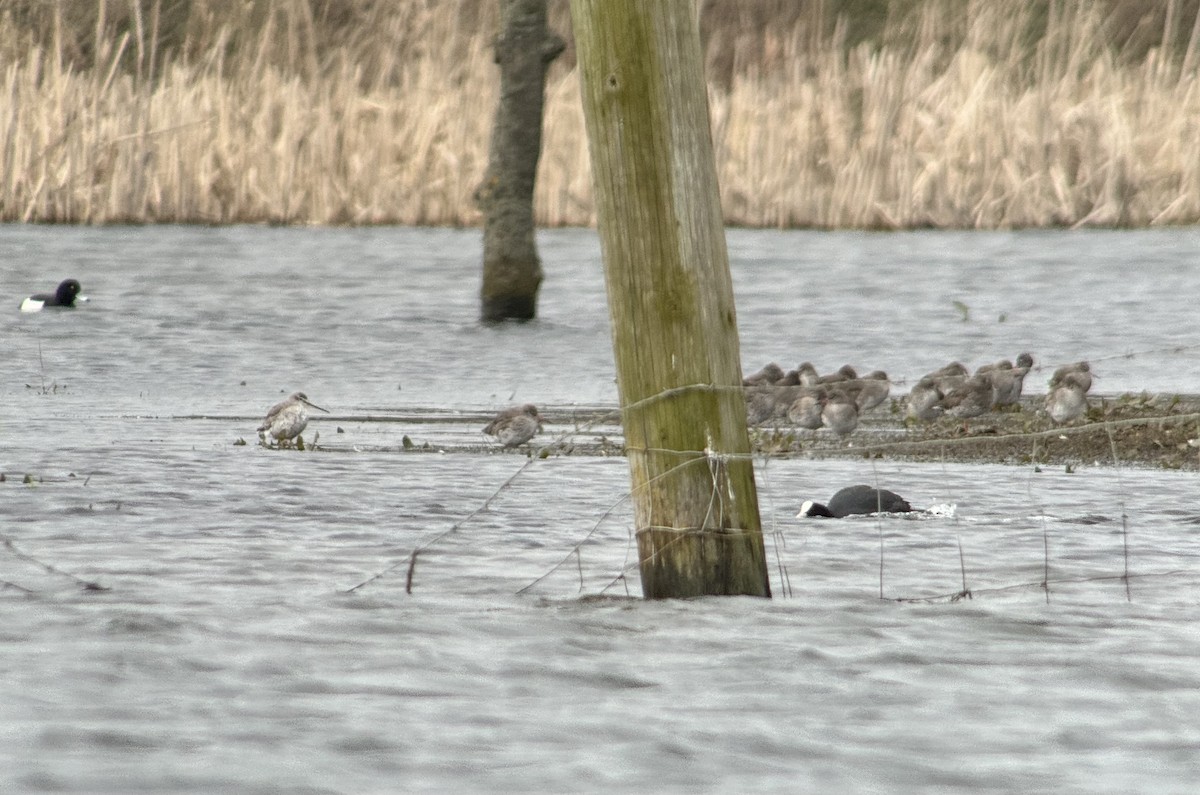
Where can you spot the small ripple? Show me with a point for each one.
(1088, 519)
(141, 624)
(112, 739)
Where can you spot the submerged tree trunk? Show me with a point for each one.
(512, 272)
(670, 297)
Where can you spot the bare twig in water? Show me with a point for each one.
(962, 567)
(1045, 557)
(1124, 514)
(41, 364)
(412, 568)
(1045, 540)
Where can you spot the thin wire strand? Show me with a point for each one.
(412, 557)
(954, 597)
(87, 585)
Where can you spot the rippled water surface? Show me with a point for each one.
(227, 651)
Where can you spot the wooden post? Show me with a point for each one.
(512, 272)
(670, 297)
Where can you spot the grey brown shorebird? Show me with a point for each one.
(972, 397)
(1067, 400)
(770, 374)
(805, 410)
(63, 298)
(1081, 370)
(767, 403)
(760, 404)
(924, 400)
(948, 377)
(515, 425)
(843, 373)
(952, 370)
(1007, 380)
(868, 391)
(839, 413)
(807, 374)
(286, 420)
(790, 378)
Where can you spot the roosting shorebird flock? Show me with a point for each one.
(806, 399)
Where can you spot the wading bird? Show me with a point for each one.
(286, 420)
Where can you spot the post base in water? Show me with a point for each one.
(682, 563)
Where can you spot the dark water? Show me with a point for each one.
(229, 654)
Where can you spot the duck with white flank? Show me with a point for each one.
(64, 297)
(286, 420)
(856, 500)
(516, 425)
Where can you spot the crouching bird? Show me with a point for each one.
(856, 500)
(515, 426)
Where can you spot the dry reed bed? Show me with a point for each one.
(984, 133)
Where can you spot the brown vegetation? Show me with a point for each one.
(862, 113)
